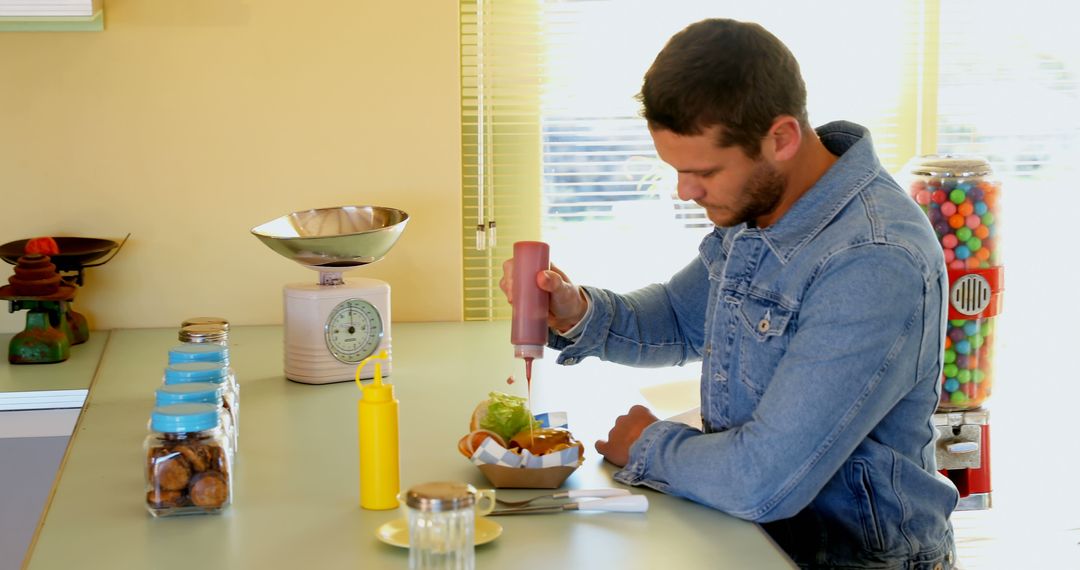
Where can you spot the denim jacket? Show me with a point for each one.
(821, 338)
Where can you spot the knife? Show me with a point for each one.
(624, 504)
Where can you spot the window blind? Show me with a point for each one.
(501, 66)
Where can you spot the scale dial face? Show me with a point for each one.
(353, 330)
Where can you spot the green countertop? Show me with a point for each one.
(57, 385)
(296, 485)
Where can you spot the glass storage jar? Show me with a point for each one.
(962, 200)
(188, 469)
(199, 352)
(216, 323)
(206, 352)
(213, 372)
(201, 393)
(442, 524)
(208, 333)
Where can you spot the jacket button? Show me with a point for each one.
(937, 566)
(570, 360)
(763, 326)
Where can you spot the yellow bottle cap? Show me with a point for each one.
(376, 391)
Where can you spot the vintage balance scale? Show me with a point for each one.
(331, 325)
(44, 286)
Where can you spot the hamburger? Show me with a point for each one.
(542, 441)
(507, 420)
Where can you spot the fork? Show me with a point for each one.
(572, 494)
(620, 504)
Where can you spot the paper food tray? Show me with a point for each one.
(524, 478)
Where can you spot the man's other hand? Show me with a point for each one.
(627, 430)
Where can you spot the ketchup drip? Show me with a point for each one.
(528, 383)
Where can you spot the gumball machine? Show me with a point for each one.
(961, 199)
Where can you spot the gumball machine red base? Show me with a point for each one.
(961, 201)
(963, 455)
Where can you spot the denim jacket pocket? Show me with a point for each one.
(863, 491)
(765, 336)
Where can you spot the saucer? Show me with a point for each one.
(396, 532)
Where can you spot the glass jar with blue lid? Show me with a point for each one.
(199, 352)
(188, 467)
(205, 352)
(213, 372)
(201, 393)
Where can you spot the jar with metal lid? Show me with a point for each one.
(188, 467)
(206, 321)
(201, 393)
(442, 524)
(962, 200)
(211, 333)
(213, 372)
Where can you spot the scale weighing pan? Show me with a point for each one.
(328, 238)
(75, 252)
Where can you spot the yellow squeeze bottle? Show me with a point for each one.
(377, 424)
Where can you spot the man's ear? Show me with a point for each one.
(784, 138)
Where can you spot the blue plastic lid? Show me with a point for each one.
(189, 393)
(183, 372)
(202, 352)
(184, 418)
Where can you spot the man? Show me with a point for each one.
(815, 305)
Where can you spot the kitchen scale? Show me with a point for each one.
(333, 324)
(45, 286)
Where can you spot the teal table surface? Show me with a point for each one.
(296, 495)
(55, 385)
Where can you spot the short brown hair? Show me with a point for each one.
(723, 72)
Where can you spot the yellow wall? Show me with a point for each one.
(188, 122)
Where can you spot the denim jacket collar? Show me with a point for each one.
(856, 166)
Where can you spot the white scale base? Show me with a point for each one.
(308, 306)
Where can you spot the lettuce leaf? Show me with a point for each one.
(507, 415)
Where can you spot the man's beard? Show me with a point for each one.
(761, 195)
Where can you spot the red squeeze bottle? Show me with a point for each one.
(528, 331)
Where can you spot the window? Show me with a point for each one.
(567, 159)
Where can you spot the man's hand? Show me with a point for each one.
(627, 430)
(568, 303)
